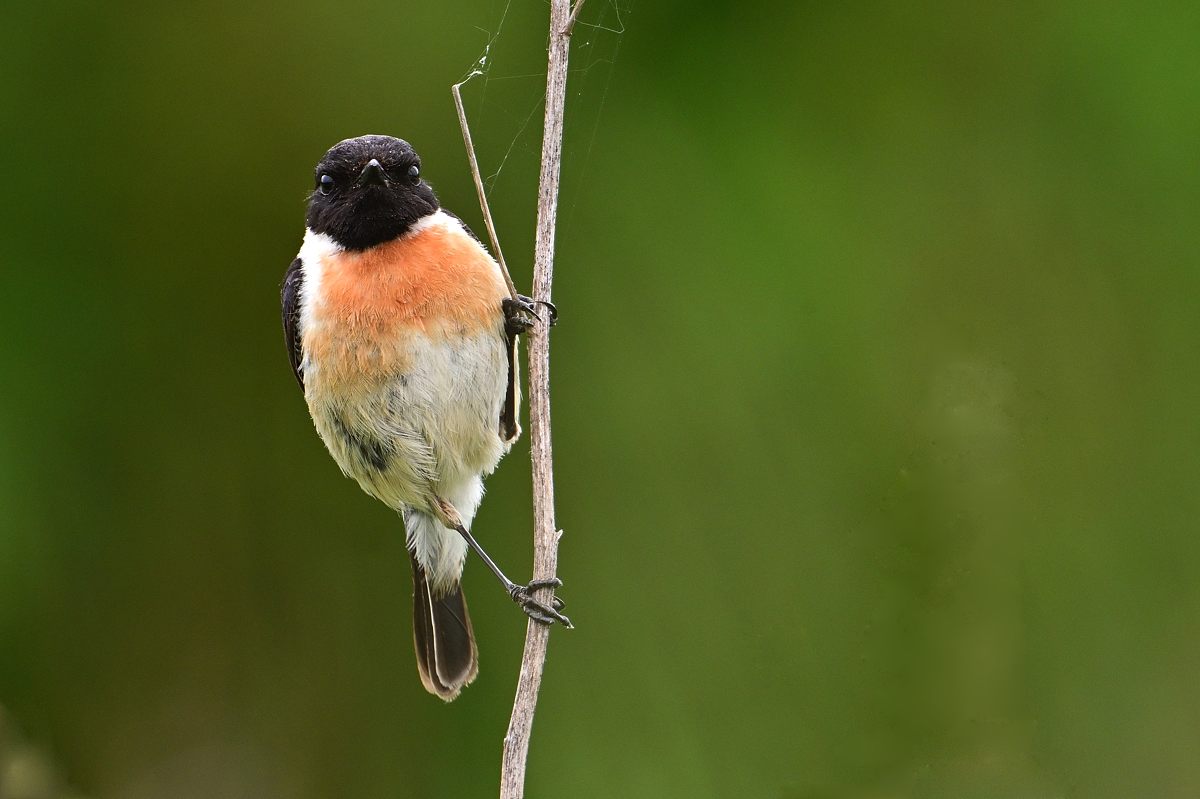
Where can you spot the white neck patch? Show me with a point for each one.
(438, 218)
(313, 252)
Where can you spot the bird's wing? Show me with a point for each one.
(510, 429)
(290, 296)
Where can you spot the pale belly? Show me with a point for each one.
(427, 429)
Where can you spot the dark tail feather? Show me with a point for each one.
(446, 655)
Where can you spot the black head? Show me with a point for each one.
(369, 190)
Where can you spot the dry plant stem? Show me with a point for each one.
(483, 202)
(574, 16)
(545, 536)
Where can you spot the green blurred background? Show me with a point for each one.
(875, 401)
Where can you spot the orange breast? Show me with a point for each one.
(437, 282)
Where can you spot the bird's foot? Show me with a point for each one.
(520, 313)
(540, 611)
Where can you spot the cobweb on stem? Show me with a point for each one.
(504, 107)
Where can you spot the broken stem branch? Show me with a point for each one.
(483, 201)
(574, 16)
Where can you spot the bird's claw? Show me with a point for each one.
(520, 313)
(551, 308)
(540, 611)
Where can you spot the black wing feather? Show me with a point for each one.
(290, 296)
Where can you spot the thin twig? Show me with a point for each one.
(574, 16)
(483, 202)
(545, 534)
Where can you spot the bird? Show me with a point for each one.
(402, 335)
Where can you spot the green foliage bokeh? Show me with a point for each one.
(874, 402)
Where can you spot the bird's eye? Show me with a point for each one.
(326, 184)
(414, 172)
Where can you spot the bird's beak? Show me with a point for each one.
(373, 174)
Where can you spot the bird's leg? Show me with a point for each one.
(521, 594)
(519, 313)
